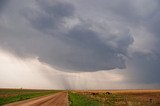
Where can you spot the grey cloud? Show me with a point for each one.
(136, 15)
(57, 9)
(39, 30)
(89, 53)
(49, 15)
(134, 12)
(3, 3)
(79, 48)
(153, 24)
(144, 68)
(86, 51)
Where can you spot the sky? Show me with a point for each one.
(80, 44)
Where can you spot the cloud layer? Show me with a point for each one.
(85, 36)
(78, 48)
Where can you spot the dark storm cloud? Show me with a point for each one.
(145, 65)
(145, 68)
(78, 48)
(127, 12)
(49, 16)
(136, 15)
(2, 4)
(87, 52)
(153, 23)
(86, 35)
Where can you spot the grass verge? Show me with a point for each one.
(81, 100)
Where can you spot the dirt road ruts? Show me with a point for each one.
(58, 99)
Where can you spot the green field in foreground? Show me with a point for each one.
(13, 95)
(81, 100)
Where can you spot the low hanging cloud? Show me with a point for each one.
(85, 51)
(2, 4)
(86, 35)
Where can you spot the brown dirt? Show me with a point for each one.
(58, 99)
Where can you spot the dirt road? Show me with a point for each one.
(58, 99)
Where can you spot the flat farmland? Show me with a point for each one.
(14, 95)
(80, 97)
(123, 97)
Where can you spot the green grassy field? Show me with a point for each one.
(13, 95)
(81, 100)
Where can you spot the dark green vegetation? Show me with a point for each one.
(81, 100)
(13, 95)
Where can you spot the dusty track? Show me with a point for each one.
(58, 99)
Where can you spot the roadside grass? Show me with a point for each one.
(81, 100)
(14, 95)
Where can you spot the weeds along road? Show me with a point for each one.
(57, 99)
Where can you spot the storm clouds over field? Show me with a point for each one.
(77, 44)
